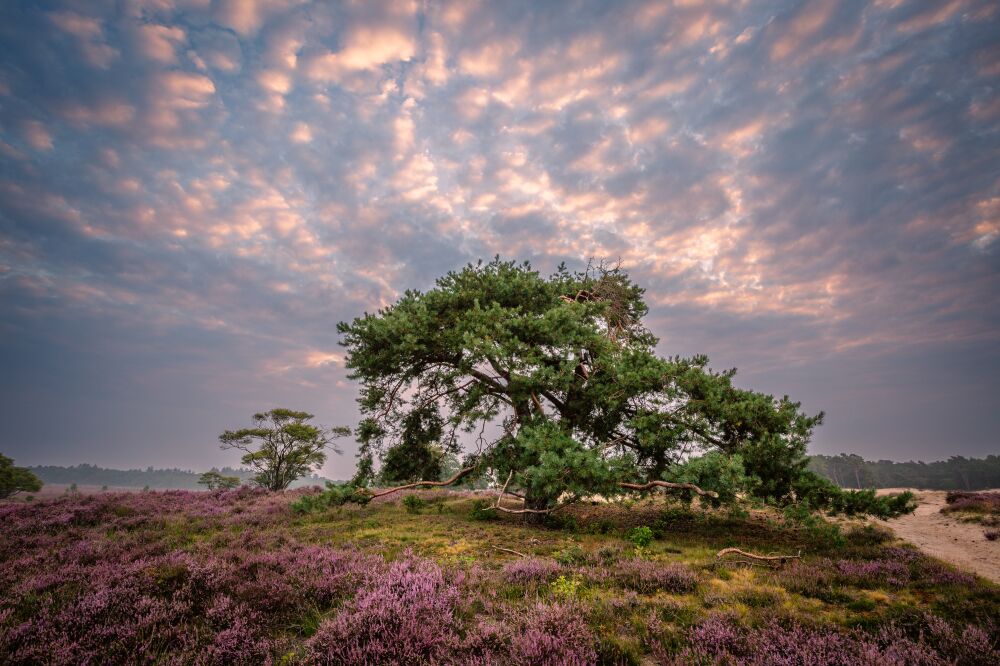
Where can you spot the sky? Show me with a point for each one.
(194, 193)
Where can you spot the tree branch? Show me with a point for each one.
(768, 560)
(669, 485)
(461, 474)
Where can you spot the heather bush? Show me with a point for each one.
(528, 571)
(720, 639)
(404, 615)
(554, 635)
(875, 573)
(984, 503)
(647, 577)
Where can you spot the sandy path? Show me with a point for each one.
(937, 534)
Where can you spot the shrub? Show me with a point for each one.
(405, 615)
(566, 588)
(875, 573)
(571, 556)
(413, 504)
(554, 635)
(719, 639)
(992, 535)
(984, 503)
(529, 571)
(868, 535)
(647, 577)
(640, 536)
(482, 510)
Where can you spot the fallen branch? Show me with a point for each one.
(461, 474)
(753, 558)
(508, 550)
(669, 485)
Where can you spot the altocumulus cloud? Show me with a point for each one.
(192, 194)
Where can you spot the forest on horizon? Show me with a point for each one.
(846, 470)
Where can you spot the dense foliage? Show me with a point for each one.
(956, 473)
(14, 480)
(558, 380)
(281, 446)
(235, 577)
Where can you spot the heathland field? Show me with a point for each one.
(244, 576)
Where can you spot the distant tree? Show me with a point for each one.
(956, 473)
(215, 480)
(281, 446)
(14, 480)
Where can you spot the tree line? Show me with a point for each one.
(161, 479)
(956, 473)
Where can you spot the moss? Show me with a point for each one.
(614, 650)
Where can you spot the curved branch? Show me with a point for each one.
(770, 560)
(668, 485)
(540, 511)
(461, 474)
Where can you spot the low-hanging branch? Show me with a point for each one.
(461, 474)
(669, 485)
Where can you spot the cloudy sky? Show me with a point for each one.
(194, 193)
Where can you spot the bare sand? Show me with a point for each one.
(944, 537)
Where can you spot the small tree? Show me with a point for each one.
(14, 480)
(281, 446)
(215, 480)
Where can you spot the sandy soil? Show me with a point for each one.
(940, 535)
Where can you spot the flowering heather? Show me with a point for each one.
(554, 635)
(237, 577)
(988, 503)
(720, 639)
(873, 573)
(647, 577)
(531, 570)
(403, 615)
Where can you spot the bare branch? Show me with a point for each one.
(392, 397)
(670, 486)
(497, 507)
(508, 550)
(461, 474)
(538, 404)
(773, 561)
(441, 394)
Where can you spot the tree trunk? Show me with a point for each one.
(534, 500)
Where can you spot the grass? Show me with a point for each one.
(641, 577)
